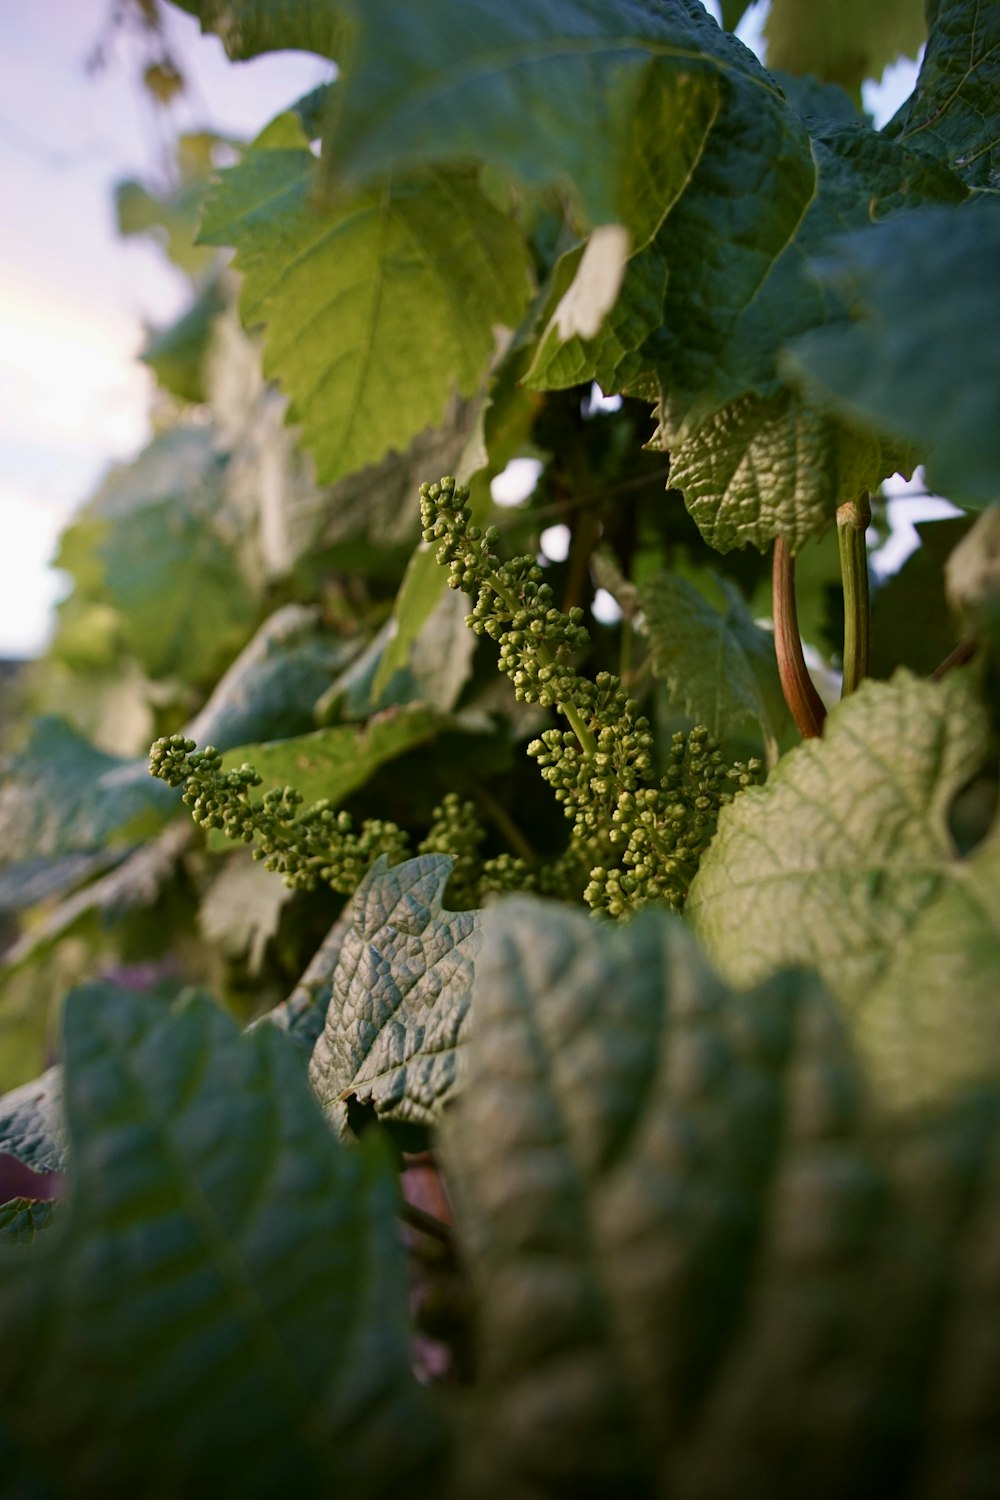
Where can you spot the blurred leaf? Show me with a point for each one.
(22, 1219)
(954, 111)
(911, 625)
(171, 218)
(379, 308)
(400, 996)
(695, 1256)
(176, 354)
(916, 357)
(820, 101)
(242, 908)
(60, 795)
(719, 666)
(245, 1326)
(842, 41)
(247, 28)
(733, 12)
(844, 861)
(303, 1014)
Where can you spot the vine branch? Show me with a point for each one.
(805, 703)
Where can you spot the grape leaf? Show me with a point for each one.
(916, 356)
(696, 1257)
(842, 41)
(844, 861)
(225, 1288)
(242, 909)
(953, 112)
(176, 354)
(598, 84)
(31, 1123)
(733, 12)
(911, 625)
(332, 763)
(379, 308)
(303, 1014)
(719, 666)
(400, 997)
(22, 1219)
(247, 28)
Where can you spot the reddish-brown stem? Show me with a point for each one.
(805, 703)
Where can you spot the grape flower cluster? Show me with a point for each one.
(641, 835)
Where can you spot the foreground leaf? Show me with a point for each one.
(917, 356)
(224, 1289)
(378, 310)
(31, 1123)
(700, 1269)
(844, 861)
(401, 994)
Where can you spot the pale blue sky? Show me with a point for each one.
(74, 298)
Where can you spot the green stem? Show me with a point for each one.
(853, 519)
(801, 696)
(489, 805)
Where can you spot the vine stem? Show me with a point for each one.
(853, 520)
(805, 703)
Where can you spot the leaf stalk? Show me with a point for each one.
(853, 520)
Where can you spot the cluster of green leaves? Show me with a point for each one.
(700, 1203)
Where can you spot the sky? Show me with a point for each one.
(75, 300)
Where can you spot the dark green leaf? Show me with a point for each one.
(699, 1268)
(23, 1218)
(378, 309)
(302, 1015)
(916, 358)
(845, 861)
(400, 997)
(719, 666)
(911, 625)
(954, 111)
(222, 1305)
(733, 12)
(247, 28)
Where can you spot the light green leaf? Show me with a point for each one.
(953, 112)
(845, 861)
(692, 1253)
(332, 763)
(719, 666)
(401, 994)
(225, 1289)
(22, 1219)
(247, 28)
(916, 358)
(379, 308)
(842, 41)
(31, 1123)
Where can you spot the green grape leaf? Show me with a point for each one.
(225, 1288)
(733, 12)
(845, 861)
(171, 218)
(247, 28)
(332, 763)
(719, 665)
(379, 308)
(842, 41)
(953, 112)
(686, 1236)
(400, 997)
(916, 356)
(599, 86)
(31, 1123)
(22, 1219)
(60, 795)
